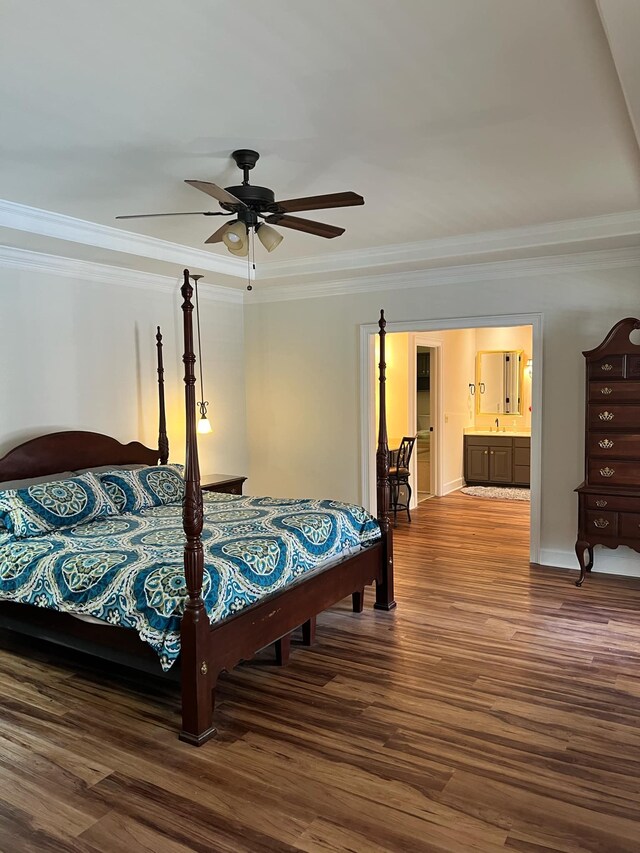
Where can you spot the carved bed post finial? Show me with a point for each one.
(384, 589)
(197, 701)
(163, 439)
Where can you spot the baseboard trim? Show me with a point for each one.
(622, 561)
(452, 486)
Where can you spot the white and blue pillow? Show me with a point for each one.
(141, 488)
(54, 505)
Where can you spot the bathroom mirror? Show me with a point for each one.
(499, 382)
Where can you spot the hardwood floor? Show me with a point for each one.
(497, 708)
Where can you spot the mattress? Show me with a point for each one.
(127, 570)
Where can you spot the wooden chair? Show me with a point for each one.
(399, 476)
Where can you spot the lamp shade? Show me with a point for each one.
(236, 239)
(269, 237)
(204, 426)
(241, 253)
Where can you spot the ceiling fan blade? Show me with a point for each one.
(320, 229)
(182, 213)
(320, 202)
(217, 192)
(217, 236)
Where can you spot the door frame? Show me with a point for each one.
(416, 340)
(368, 379)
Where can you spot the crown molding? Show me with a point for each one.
(570, 231)
(24, 259)
(446, 248)
(21, 217)
(461, 274)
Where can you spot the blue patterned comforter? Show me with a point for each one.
(128, 569)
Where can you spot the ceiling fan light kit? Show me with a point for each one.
(236, 238)
(268, 236)
(251, 204)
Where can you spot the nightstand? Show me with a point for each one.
(230, 484)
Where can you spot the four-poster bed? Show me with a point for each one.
(208, 646)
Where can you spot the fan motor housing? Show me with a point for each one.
(257, 198)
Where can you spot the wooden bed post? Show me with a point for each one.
(197, 698)
(384, 588)
(163, 439)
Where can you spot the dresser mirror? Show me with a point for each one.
(499, 382)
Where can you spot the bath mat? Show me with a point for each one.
(500, 493)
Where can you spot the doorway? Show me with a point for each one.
(423, 415)
(451, 406)
(423, 423)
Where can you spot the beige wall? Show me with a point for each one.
(81, 355)
(458, 358)
(397, 355)
(303, 383)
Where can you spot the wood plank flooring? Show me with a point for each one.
(497, 709)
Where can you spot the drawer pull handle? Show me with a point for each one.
(606, 367)
(606, 443)
(601, 503)
(601, 523)
(606, 416)
(607, 472)
(606, 390)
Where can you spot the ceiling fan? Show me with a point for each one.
(251, 204)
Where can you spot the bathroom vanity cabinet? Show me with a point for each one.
(497, 459)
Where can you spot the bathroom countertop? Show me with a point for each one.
(518, 433)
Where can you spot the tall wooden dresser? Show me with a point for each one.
(609, 498)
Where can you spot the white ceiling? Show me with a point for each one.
(451, 117)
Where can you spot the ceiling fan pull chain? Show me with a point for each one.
(249, 253)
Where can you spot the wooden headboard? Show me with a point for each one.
(72, 450)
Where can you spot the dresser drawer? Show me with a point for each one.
(605, 523)
(614, 472)
(229, 484)
(612, 502)
(607, 392)
(633, 367)
(629, 525)
(227, 488)
(603, 416)
(614, 445)
(607, 368)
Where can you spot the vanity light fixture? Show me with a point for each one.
(204, 425)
